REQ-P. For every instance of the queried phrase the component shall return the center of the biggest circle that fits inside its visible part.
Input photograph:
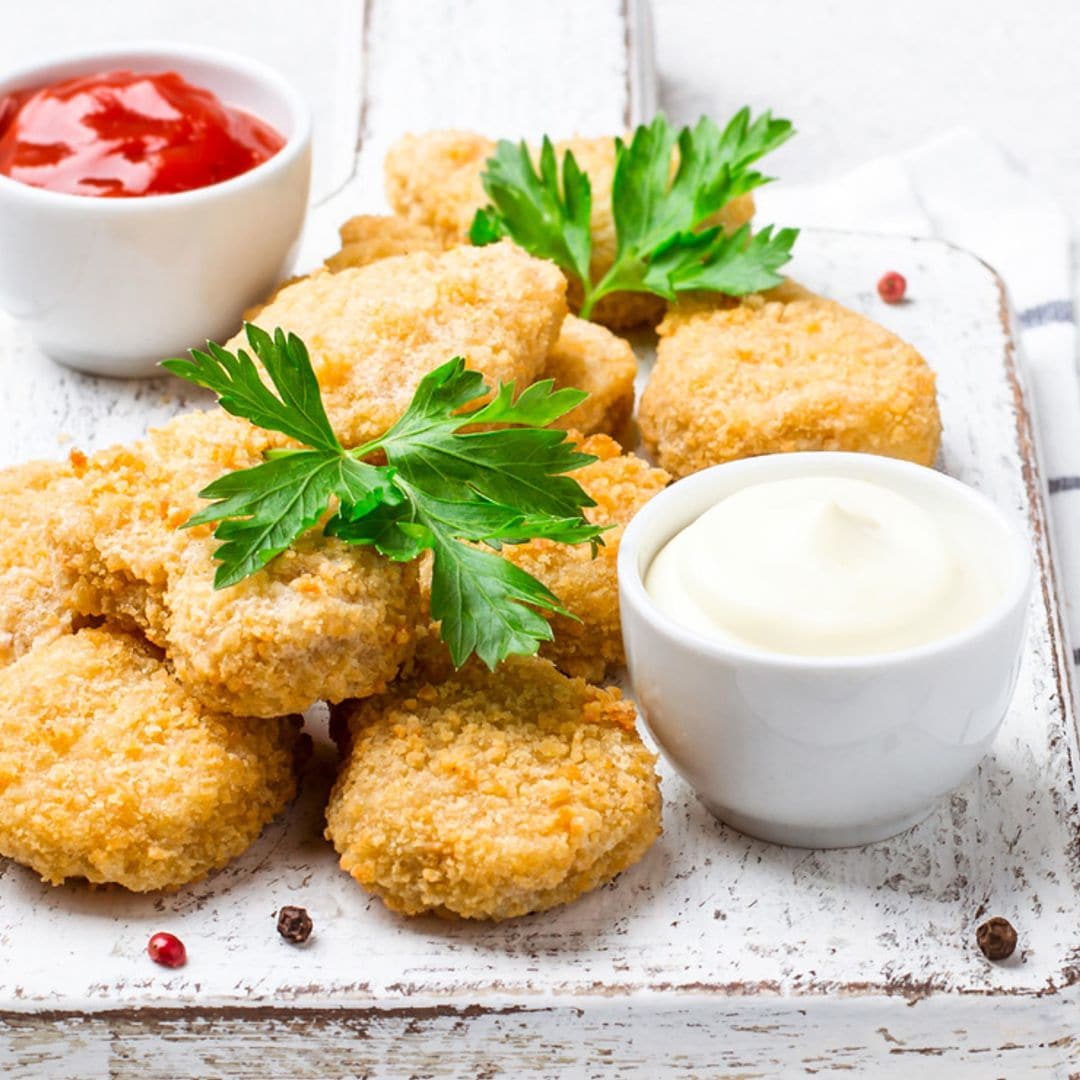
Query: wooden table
(716, 955)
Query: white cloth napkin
(964, 188)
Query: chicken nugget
(779, 371)
(373, 332)
(109, 771)
(591, 358)
(585, 355)
(371, 237)
(34, 605)
(588, 587)
(322, 620)
(434, 179)
(492, 794)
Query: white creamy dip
(826, 566)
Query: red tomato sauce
(122, 134)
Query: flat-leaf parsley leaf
(454, 475)
(663, 243)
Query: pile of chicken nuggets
(150, 725)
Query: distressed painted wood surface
(715, 956)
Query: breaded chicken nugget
(323, 620)
(34, 605)
(371, 237)
(783, 370)
(434, 179)
(491, 795)
(593, 359)
(109, 771)
(585, 355)
(375, 331)
(620, 484)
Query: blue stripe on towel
(1053, 311)
(1063, 483)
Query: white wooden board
(715, 949)
(717, 955)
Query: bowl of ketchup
(148, 195)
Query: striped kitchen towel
(964, 188)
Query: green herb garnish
(661, 247)
(445, 486)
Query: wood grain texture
(715, 956)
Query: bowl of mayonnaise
(823, 644)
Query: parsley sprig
(661, 247)
(459, 477)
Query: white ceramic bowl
(810, 751)
(113, 286)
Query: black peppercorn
(997, 938)
(294, 924)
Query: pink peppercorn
(167, 950)
(892, 287)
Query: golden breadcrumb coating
(591, 358)
(322, 620)
(620, 484)
(585, 355)
(783, 370)
(492, 795)
(109, 771)
(34, 605)
(370, 237)
(373, 332)
(434, 179)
